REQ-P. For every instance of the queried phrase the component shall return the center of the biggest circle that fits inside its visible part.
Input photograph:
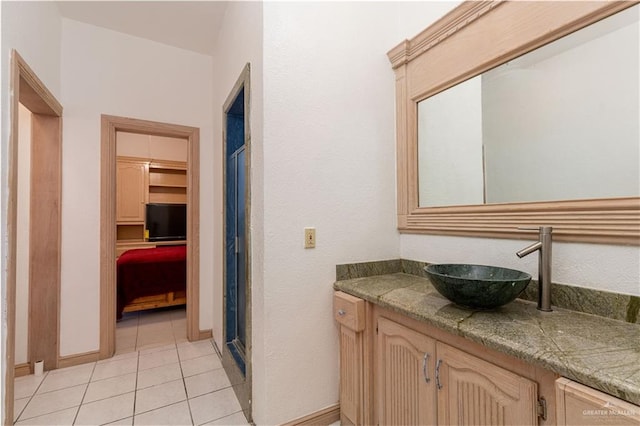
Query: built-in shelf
(130, 232)
(146, 181)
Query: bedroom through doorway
(151, 225)
(149, 258)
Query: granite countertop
(599, 352)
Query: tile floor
(148, 329)
(152, 380)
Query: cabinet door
(405, 391)
(475, 392)
(131, 191)
(349, 313)
(580, 405)
(351, 404)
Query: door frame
(242, 384)
(46, 137)
(109, 126)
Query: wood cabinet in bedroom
(132, 179)
(140, 181)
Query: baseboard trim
(23, 369)
(205, 334)
(326, 416)
(77, 359)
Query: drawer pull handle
(425, 360)
(341, 312)
(438, 385)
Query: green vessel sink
(477, 286)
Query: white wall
(603, 267)
(106, 72)
(20, 22)
(329, 157)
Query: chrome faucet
(543, 245)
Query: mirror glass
(558, 123)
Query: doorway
(44, 219)
(110, 126)
(236, 351)
(151, 204)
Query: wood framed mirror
(474, 38)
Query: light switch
(309, 238)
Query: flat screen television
(166, 222)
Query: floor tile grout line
(203, 372)
(30, 397)
(158, 408)
(135, 389)
(35, 393)
(84, 394)
(45, 393)
(184, 383)
(223, 417)
(47, 414)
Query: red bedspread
(149, 272)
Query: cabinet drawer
(348, 311)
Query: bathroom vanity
(410, 356)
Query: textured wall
(329, 164)
(106, 72)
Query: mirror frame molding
(454, 49)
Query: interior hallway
(156, 377)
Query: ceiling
(190, 25)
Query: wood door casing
(405, 391)
(44, 256)
(46, 138)
(476, 392)
(110, 125)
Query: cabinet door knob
(341, 312)
(425, 361)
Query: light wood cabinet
(349, 313)
(581, 405)
(420, 381)
(475, 392)
(140, 181)
(406, 393)
(395, 370)
(131, 190)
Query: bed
(151, 278)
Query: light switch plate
(309, 238)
